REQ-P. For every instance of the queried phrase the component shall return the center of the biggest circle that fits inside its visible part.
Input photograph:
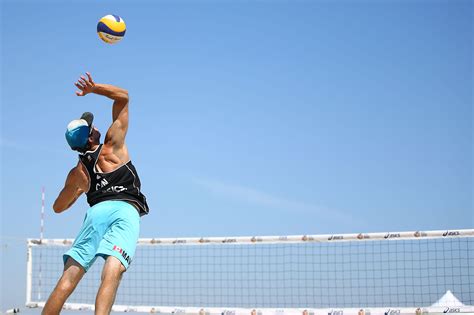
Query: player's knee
(66, 285)
(112, 275)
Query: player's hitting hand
(85, 85)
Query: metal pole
(29, 273)
(41, 241)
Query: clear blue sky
(247, 117)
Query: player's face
(95, 135)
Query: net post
(29, 272)
(41, 240)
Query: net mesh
(349, 274)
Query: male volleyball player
(109, 179)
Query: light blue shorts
(110, 228)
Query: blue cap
(78, 131)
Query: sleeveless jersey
(120, 184)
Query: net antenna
(389, 273)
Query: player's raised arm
(118, 130)
(73, 188)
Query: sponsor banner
(362, 236)
(229, 240)
(155, 241)
(270, 311)
(256, 239)
(180, 241)
(390, 236)
(420, 234)
(336, 238)
(452, 310)
(451, 233)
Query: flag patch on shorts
(123, 253)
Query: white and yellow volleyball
(111, 28)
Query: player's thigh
(73, 273)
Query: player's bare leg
(73, 273)
(110, 280)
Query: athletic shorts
(110, 228)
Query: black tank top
(120, 184)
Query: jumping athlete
(109, 179)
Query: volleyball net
(368, 273)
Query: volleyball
(111, 28)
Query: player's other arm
(118, 130)
(73, 188)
